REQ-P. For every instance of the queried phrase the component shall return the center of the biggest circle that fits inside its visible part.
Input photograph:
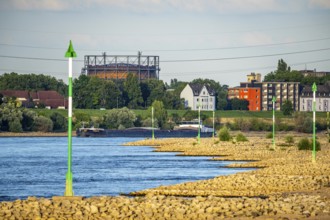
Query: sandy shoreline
(288, 186)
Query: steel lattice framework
(117, 67)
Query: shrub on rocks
(289, 139)
(240, 137)
(224, 134)
(269, 135)
(305, 144)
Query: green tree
(93, 93)
(81, 92)
(10, 116)
(160, 113)
(133, 91)
(15, 125)
(31, 82)
(116, 118)
(152, 89)
(59, 122)
(284, 73)
(239, 104)
(43, 124)
(28, 119)
(1, 98)
(287, 107)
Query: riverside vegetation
(286, 185)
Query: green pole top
(70, 52)
(274, 99)
(314, 87)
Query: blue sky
(234, 34)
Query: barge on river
(185, 129)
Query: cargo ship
(185, 129)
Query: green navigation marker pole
(213, 125)
(274, 100)
(70, 53)
(199, 124)
(152, 123)
(314, 89)
(328, 123)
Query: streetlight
(70, 53)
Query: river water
(36, 166)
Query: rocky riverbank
(287, 185)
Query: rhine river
(36, 166)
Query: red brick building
(250, 94)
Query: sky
(223, 40)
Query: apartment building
(282, 91)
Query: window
(203, 92)
(197, 99)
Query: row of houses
(50, 99)
(260, 95)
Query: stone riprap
(288, 185)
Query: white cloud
(54, 5)
(320, 3)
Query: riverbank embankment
(287, 185)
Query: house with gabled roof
(322, 98)
(196, 95)
(51, 99)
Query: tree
(152, 89)
(160, 112)
(133, 91)
(284, 73)
(93, 92)
(1, 98)
(10, 116)
(31, 82)
(59, 122)
(43, 124)
(287, 107)
(28, 118)
(116, 118)
(239, 104)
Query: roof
(15, 93)
(49, 98)
(197, 88)
(42, 95)
(321, 89)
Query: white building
(197, 94)
(322, 98)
